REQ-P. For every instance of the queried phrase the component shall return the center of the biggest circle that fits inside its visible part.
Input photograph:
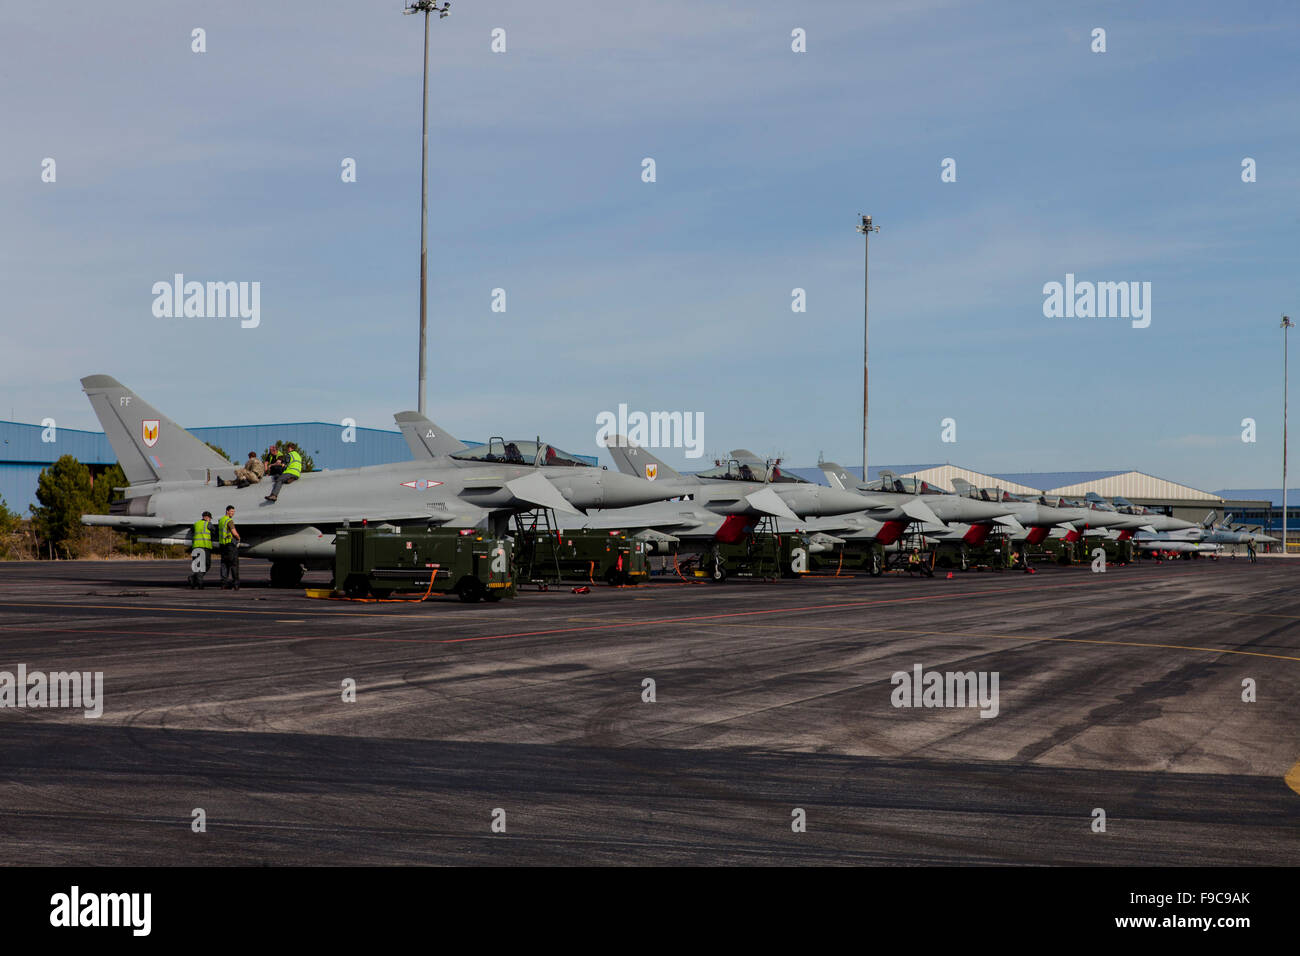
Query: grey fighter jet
(659, 524)
(173, 477)
(744, 488)
(1207, 532)
(1154, 520)
(1037, 517)
(969, 521)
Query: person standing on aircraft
(203, 541)
(290, 474)
(228, 539)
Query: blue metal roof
(1273, 495)
(815, 474)
(21, 443)
(1047, 480)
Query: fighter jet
(659, 525)
(173, 477)
(745, 488)
(1154, 520)
(1179, 547)
(1036, 517)
(1207, 532)
(955, 518)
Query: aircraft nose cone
(1049, 515)
(835, 501)
(1176, 524)
(967, 509)
(616, 490)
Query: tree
(14, 542)
(218, 449)
(103, 490)
(65, 494)
(284, 447)
(8, 519)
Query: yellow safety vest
(202, 534)
(223, 529)
(295, 465)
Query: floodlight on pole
(1286, 325)
(865, 228)
(426, 7)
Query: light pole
(426, 7)
(1286, 325)
(866, 229)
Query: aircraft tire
(470, 590)
(286, 574)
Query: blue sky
(672, 295)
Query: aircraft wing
(1011, 522)
(769, 502)
(535, 488)
(918, 510)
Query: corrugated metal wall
(1135, 484)
(943, 475)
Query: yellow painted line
(1292, 777)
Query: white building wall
(944, 474)
(1135, 484)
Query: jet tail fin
(962, 487)
(837, 476)
(149, 445)
(425, 439)
(632, 459)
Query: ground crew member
(1250, 550)
(251, 473)
(914, 560)
(203, 541)
(291, 472)
(228, 539)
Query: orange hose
(423, 597)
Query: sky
(676, 294)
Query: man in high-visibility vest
(292, 469)
(200, 563)
(228, 539)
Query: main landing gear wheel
(286, 574)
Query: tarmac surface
(1119, 691)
